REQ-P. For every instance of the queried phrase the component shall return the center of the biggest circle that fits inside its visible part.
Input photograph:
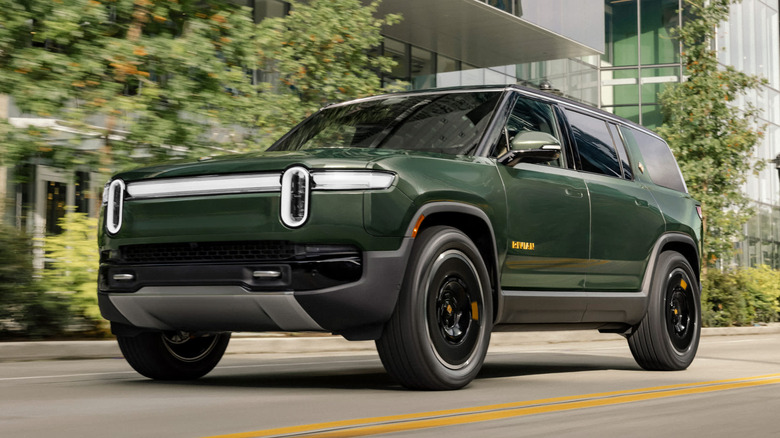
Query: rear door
(625, 218)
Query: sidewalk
(317, 344)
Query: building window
(620, 28)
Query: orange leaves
(218, 18)
(139, 51)
(127, 69)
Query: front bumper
(227, 297)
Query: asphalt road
(577, 389)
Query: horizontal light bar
(352, 180)
(204, 185)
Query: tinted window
(594, 143)
(528, 116)
(446, 123)
(659, 163)
(621, 148)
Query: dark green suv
(421, 220)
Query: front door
(548, 221)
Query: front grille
(208, 252)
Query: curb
(317, 344)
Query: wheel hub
(453, 313)
(679, 314)
(680, 311)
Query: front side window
(528, 119)
(594, 143)
(443, 123)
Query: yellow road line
(424, 420)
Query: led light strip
(256, 183)
(352, 180)
(205, 185)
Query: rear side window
(594, 143)
(659, 162)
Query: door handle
(574, 193)
(641, 202)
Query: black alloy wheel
(439, 333)
(667, 338)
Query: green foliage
(152, 79)
(320, 53)
(126, 73)
(741, 297)
(26, 310)
(712, 138)
(71, 271)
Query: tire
(438, 335)
(668, 336)
(173, 356)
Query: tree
(151, 79)
(322, 52)
(712, 137)
(141, 77)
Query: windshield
(445, 123)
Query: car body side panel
(626, 222)
(548, 226)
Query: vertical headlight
(114, 199)
(296, 188)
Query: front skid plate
(213, 308)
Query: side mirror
(531, 147)
(533, 140)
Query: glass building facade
(749, 42)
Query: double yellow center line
(424, 420)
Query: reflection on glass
(397, 51)
(422, 69)
(442, 123)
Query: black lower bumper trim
(254, 277)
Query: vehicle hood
(326, 158)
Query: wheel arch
(475, 224)
(686, 246)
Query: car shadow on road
(369, 375)
(528, 364)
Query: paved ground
(283, 343)
(532, 385)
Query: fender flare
(471, 210)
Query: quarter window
(594, 143)
(659, 162)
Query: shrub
(741, 297)
(26, 309)
(72, 262)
